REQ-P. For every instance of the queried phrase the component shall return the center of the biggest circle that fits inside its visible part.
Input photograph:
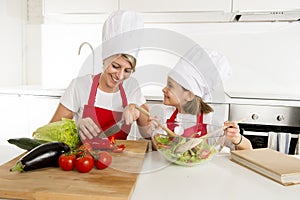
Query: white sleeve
(68, 100)
(133, 92)
(77, 93)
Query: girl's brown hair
(196, 106)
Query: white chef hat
(118, 34)
(201, 71)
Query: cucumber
(25, 143)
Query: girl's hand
(232, 132)
(87, 128)
(130, 114)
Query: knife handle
(145, 112)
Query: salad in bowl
(189, 150)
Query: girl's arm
(233, 134)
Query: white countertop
(219, 178)
(35, 90)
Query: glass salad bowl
(188, 149)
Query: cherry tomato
(84, 163)
(103, 161)
(67, 161)
(204, 153)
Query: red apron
(105, 118)
(198, 128)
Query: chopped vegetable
(167, 145)
(60, 131)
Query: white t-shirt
(77, 94)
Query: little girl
(187, 90)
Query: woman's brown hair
(131, 60)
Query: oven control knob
(254, 116)
(280, 118)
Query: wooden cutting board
(113, 183)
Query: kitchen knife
(112, 130)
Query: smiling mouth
(115, 80)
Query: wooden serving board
(113, 183)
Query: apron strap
(123, 96)
(93, 92)
(173, 116)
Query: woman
(187, 89)
(100, 101)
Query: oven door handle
(256, 133)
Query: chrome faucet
(92, 53)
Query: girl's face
(117, 70)
(174, 95)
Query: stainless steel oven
(276, 127)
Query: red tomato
(204, 153)
(67, 161)
(85, 163)
(104, 160)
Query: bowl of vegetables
(186, 145)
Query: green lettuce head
(60, 131)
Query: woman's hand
(130, 114)
(87, 128)
(232, 132)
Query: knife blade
(112, 130)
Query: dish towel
(272, 140)
(284, 140)
(297, 149)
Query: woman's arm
(143, 123)
(131, 114)
(61, 112)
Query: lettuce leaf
(60, 131)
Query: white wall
(12, 24)
(264, 56)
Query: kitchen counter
(218, 179)
(33, 90)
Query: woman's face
(117, 70)
(174, 95)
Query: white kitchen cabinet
(175, 11)
(22, 114)
(93, 11)
(266, 10)
(265, 5)
(78, 11)
(40, 110)
(79, 6)
(13, 117)
(176, 5)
